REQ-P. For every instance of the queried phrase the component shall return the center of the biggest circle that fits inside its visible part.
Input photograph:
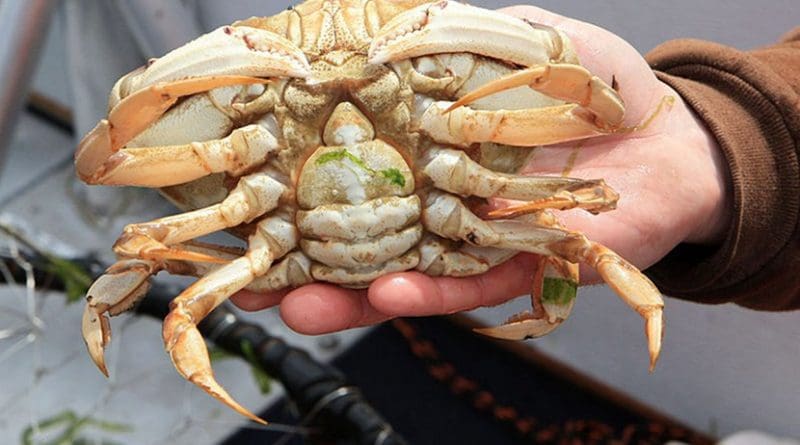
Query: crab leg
(274, 237)
(293, 270)
(522, 128)
(555, 286)
(454, 171)
(135, 113)
(446, 216)
(552, 69)
(145, 247)
(598, 110)
(568, 82)
(244, 149)
(439, 257)
(553, 292)
(226, 57)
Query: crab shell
(341, 138)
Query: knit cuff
(743, 105)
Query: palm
(665, 173)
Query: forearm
(750, 103)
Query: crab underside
(342, 139)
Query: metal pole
(23, 28)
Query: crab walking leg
(440, 257)
(145, 247)
(253, 196)
(244, 149)
(568, 82)
(448, 217)
(553, 292)
(522, 128)
(273, 238)
(123, 285)
(454, 171)
(293, 270)
(138, 111)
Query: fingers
(253, 301)
(322, 308)
(315, 308)
(416, 294)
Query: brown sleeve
(751, 102)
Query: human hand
(669, 174)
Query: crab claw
(135, 113)
(188, 353)
(555, 286)
(228, 56)
(116, 291)
(453, 27)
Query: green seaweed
(262, 379)
(393, 175)
(76, 279)
(72, 425)
(559, 291)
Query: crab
(349, 139)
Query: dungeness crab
(345, 140)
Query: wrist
(713, 225)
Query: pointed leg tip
(188, 353)
(96, 335)
(227, 400)
(208, 383)
(96, 353)
(654, 330)
(255, 418)
(100, 362)
(102, 367)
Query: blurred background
(723, 369)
